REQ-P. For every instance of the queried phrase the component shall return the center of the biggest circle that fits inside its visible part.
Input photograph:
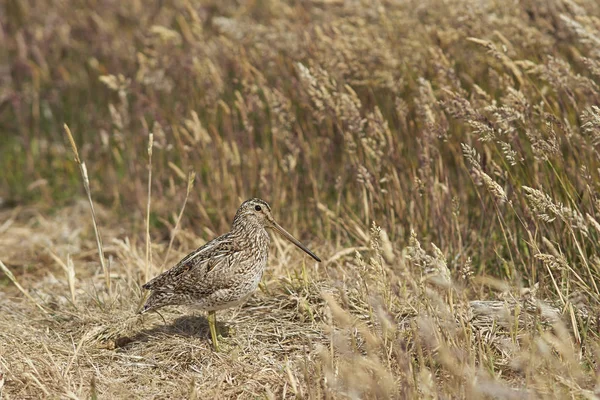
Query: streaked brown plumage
(223, 272)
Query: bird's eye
(257, 208)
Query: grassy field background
(440, 156)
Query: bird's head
(257, 211)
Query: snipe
(223, 272)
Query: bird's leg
(212, 323)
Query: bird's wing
(198, 263)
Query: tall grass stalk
(147, 271)
(86, 185)
(190, 184)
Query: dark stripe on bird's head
(259, 202)
(249, 204)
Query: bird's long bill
(292, 239)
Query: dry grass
(441, 156)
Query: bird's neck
(251, 234)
